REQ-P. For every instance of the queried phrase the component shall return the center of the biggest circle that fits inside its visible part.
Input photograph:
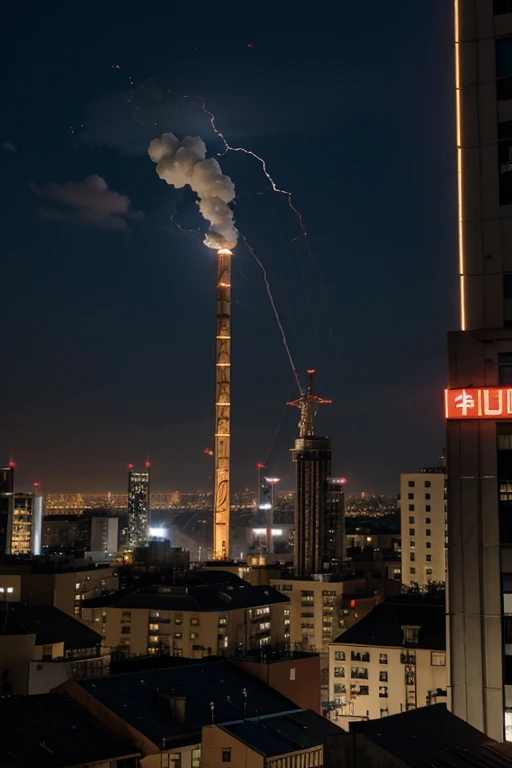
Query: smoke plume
(184, 162)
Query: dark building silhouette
(319, 518)
(6, 507)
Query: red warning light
(130, 466)
(148, 464)
(311, 371)
(260, 465)
(12, 464)
(208, 451)
(352, 603)
(36, 485)
(343, 480)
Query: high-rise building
(6, 506)
(479, 396)
(318, 522)
(423, 526)
(138, 505)
(26, 528)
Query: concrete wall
(297, 679)
(214, 739)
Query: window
(502, 6)
(178, 621)
(427, 519)
(411, 520)
(504, 68)
(412, 571)
(428, 571)
(412, 543)
(428, 532)
(428, 545)
(153, 638)
(411, 483)
(361, 690)
(153, 627)
(437, 659)
(505, 366)
(194, 635)
(292, 674)
(77, 585)
(411, 507)
(411, 532)
(429, 558)
(126, 630)
(178, 635)
(427, 508)
(383, 677)
(226, 755)
(194, 622)
(411, 635)
(339, 671)
(287, 588)
(340, 688)
(10, 590)
(428, 484)
(196, 757)
(383, 658)
(339, 655)
(427, 496)
(360, 673)
(410, 495)
(505, 441)
(412, 556)
(383, 691)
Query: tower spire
(306, 404)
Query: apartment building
(391, 661)
(321, 609)
(423, 526)
(64, 586)
(41, 647)
(191, 620)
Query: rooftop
(142, 698)
(280, 734)
(48, 624)
(14, 565)
(383, 625)
(50, 730)
(432, 736)
(223, 596)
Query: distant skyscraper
(138, 505)
(423, 526)
(318, 504)
(264, 489)
(6, 506)
(25, 536)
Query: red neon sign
(478, 403)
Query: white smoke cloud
(182, 163)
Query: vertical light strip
(459, 167)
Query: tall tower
(139, 511)
(6, 507)
(478, 399)
(221, 504)
(313, 550)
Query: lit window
(339, 671)
(383, 691)
(438, 659)
(194, 635)
(2, 589)
(339, 655)
(194, 622)
(292, 674)
(10, 589)
(383, 658)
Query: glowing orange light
(479, 403)
(352, 603)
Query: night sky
(108, 309)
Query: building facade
(479, 416)
(423, 527)
(6, 506)
(139, 512)
(392, 661)
(26, 524)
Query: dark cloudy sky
(108, 310)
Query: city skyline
(104, 286)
